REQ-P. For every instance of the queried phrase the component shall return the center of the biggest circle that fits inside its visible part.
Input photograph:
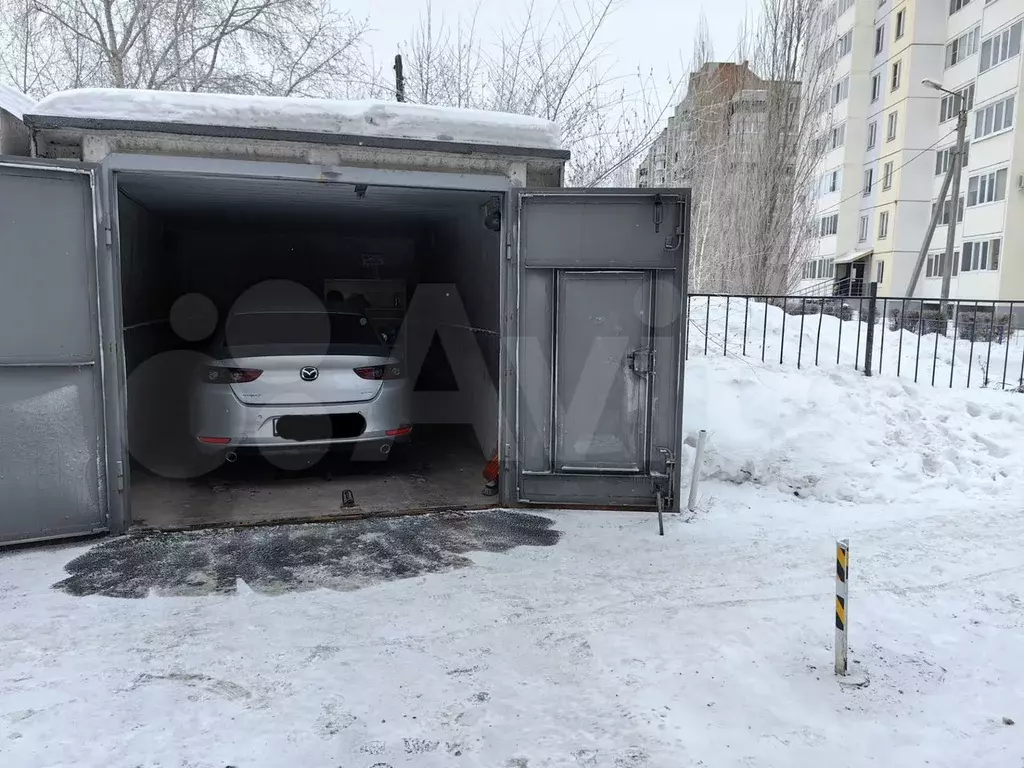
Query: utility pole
(928, 233)
(954, 204)
(952, 179)
(399, 79)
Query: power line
(874, 181)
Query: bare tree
(283, 47)
(752, 151)
(546, 66)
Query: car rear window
(273, 328)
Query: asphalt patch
(288, 558)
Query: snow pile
(836, 435)
(14, 101)
(328, 116)
(754, 330)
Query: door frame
(511, 493)
(116, 395)
(106, 353)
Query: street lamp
(956, 166)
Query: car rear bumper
(223, 423)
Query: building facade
(717, 98)
(732, 141)
(889, 141)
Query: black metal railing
(966, 343)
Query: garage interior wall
(472, 260)
(147, 283)
(223, 261)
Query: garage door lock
(641, 361)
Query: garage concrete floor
(439, 470)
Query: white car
(299, 380)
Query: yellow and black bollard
(842, 623)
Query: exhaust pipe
(385, 448)
(231, 457)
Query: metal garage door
(51, 408)
(599, 284)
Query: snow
(14, 101)
(328, 116)
(610, 647)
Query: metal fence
(966, 344)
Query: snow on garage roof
(14, 101)
(324, 116)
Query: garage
(470, 312)
(196, 251)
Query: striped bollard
(842, 580)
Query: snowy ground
(570, 638)
(758, 333)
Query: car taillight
(216, 374)
(380, 372)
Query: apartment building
(890, 137)
(722, 97)
(732, 141)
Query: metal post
(399, 79)
(954, 201)
(869, 340)
(926, 243)
(842, 602)
(698, 461)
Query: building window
(883, 225)
(890, 130)
(829, 225)
(872, 134)
(887, 176)
(986, 188)
(876, 87)
(879, 271)
(879, 39)
(901, 23)
(944, 157)
(981, 255)
(944, 216)
(838, 137)
(947, 107)
(840, 91)
(868, 178)
(1002, 46)
(994, 118)
(956, 5)
(964, 46)
(936, 265)
(832, 181)
(844, 45)
(844, 6)
(817, 269)
(897, 75)
(862, 234)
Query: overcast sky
(649, 33)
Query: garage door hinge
(120, 476)
(108, 232)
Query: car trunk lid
(305, 379)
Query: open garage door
(600, 289)
(51, 410)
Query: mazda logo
(309, 373)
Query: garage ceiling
(239, 199)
